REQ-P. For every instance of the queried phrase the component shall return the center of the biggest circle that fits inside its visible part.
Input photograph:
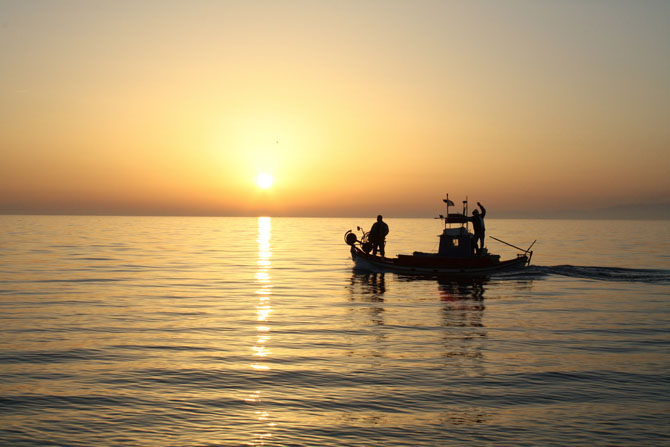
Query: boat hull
(435, 265)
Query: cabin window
(454, 242)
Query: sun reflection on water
(260, 348)
(264, 291)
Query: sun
(264, 180)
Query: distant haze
(622, 212)
(535, 108)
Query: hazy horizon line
(657, 211)
(371, 216)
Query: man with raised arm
(477, 220)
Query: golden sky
(354, 107)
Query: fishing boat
(456, 254)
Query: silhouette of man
(477, 220)
(377, 236)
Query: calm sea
(157, 331)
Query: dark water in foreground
(235, 331)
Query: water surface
(152, 331)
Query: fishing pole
(514, 246)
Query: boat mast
(465, 212)
(447, 202)
(446, 216)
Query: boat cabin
(455, 243)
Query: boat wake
(649, 276)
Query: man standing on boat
(477, 220)
(377, 236)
